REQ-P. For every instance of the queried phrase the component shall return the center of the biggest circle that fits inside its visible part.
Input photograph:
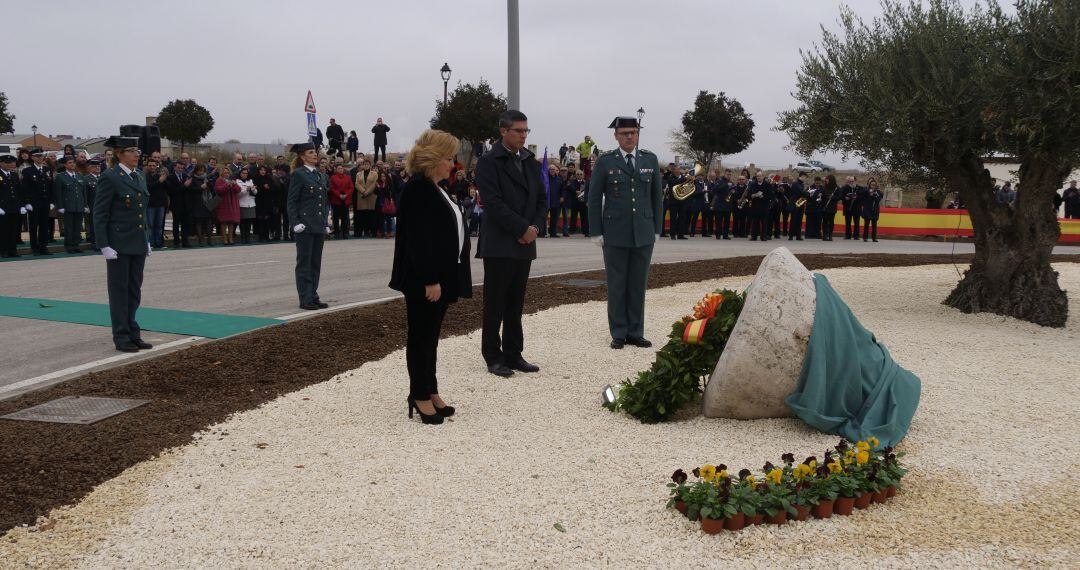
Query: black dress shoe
(638, 341)
(500, 369)
(321, 304)
(142, 345)
(618, 343)
(445, 411)
(127, 347)
(522, 366)
(309, 307)
(683, 237)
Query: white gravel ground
(347, 481)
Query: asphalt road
(258, 281)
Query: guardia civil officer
(69, 195)
(307, 206)
(123, 236)
(626, 198)
(37, 191)
(11, 206)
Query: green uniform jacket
(615, 210)
(120, 212)
(307, 203)
(69, 192)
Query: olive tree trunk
(1011, 274)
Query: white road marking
(219, 266)
(46, 378)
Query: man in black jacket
(515, 205)
(177, 185)
(37, 191)
(849, 195)
(12, 206)
(379, 130)
(335, 134)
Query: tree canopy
(715, 127)
(932, 88)
(7, 120)
(184, 121)
(471, 112)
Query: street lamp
(640, 115)
(445, 72)
(34, 128)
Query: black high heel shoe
(434, 419)
(445, 411)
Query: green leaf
(559, 527)
(45, 305)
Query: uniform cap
(7, 158)
(122, 142)
(299, 148)
(95, 162)
(624, 123)
(35, 151)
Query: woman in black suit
(431, 265)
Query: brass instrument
(744, 199)
(686, 189)
(800, 202)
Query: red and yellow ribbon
(694, 331)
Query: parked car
(824, 167)
(807, 167)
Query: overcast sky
(96, 65)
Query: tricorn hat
(299, 148)
(122, 142)
(624, 123)
(7, 158)
(35, 150)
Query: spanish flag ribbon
(694, 331)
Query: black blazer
(513, 200)
(426, 244)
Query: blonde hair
(431, 147)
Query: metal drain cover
(83, 410)
(584, 282)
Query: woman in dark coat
(201, 217)
(829, 198)
(431, 265)
(871, 207)
(264, 202)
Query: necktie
(630, 161)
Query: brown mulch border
(46, 465)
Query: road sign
(309, 106)
(312, 126)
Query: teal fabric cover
(850, 386)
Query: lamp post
(34, 128)
(445, 72)
(640, 115)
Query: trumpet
(800, 202)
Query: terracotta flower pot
(863, 500)
(844, 505)
(822, 510)
(756, 519)
(778, 519)
(802, 512)
(735, 522)
(879, 496)
(890, 491)
(680, 506)
(712, 526)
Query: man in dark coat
(336, 136)
(849, 196)
(515, 205)
(12, 206)
(37, 191)
(177, 184)
(379, 130)
(723, 199)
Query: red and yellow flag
(694, 331)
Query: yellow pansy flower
(835, 467)
(750, 480)
(722, 474)
(813, 465)
(862, 457)
(708, 472)
(802, 471)
(774, 476)
(873, 441)
(863, 446)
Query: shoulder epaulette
(609, 153)
(643, 151)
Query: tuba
(686, 189)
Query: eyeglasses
(627, 133)
(521, 131)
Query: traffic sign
(312, 126)
(309, 106)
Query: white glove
(299, 228)
(599, 241)
(29, 208)
(51, 206)
(61, 210)
(148, 249)
(109, 253)
(22, 211)
(327, 229)
(2, 212)
(86, 210)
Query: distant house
(18, 141)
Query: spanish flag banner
(694, 331)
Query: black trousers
(340, 213)
(851, 226)
(181, 227)
(738, 221)
(785, 222)
(10, 227)
(424, 320)
(774, 221)
(758, 226)
(794, 227)
(692, 217)
(379, 147)
(124, 279)
(309, 249)
(708, 222)
(813, 225)
(40, 227)
(72, 229)
(723, 224)
(828, 224)
(679, 221)
(867, 224)
(505, 280)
